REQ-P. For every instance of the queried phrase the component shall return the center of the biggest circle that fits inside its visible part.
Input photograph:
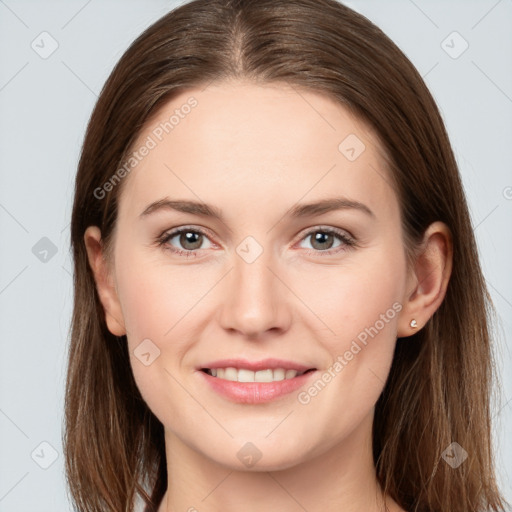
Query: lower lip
(255, 392)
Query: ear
(428, 280)
(105, 283)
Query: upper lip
(256, 365)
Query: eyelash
(348, 241)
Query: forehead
(255, 145)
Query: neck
(341, 478)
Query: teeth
(243, 375)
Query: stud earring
(413, 324)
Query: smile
(244, 375)
(227, 384)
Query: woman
(278, 299)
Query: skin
(254, 151)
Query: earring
(413, 324)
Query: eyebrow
(297, 211)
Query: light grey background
(45, 104)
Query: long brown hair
(439, 387)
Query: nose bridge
(255, 300)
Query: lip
(264, 364)
(255, 392)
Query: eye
(323, 240)
(190, 239)
(186, 241)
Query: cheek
(360, 304)
(144, 302)
(353, 296)
(155, 295)
(162, 303)
(158, 307)
(361, 309)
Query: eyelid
(171, 233)
(326, 229)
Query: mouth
(258, 385)
(265, 375)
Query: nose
(256, 300)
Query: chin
(259, 455)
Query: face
(316, 288)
